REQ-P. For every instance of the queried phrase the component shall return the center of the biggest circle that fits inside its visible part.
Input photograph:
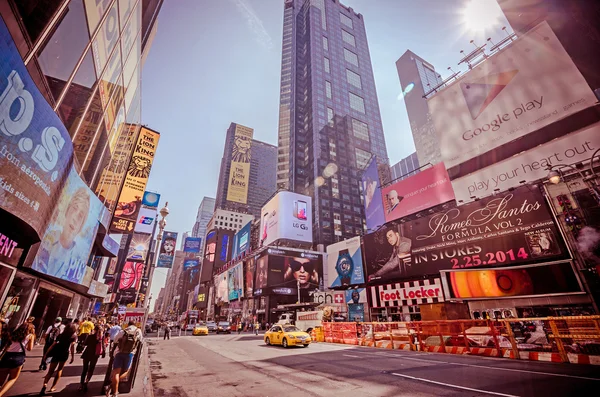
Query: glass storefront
(6, 273)
(50, 302)
(18, 298)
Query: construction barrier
(554, 339)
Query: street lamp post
(164, 211)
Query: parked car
(224, 327)
(212, 326)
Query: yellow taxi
(286, 335)
(200, 329)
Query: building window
(362, 158)
(330, 116)
(327, 70)
(356, 103)
(328, 89)
(348, 38)
(353, 78)
(325, 43)
(346, 20)
(360, 130)
(351, 57)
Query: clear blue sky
(214, 62)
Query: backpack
(54, 332)
(128, 341)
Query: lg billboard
(287, 216)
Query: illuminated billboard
(345, 263)
(236, 282)
(241, 241)
(239, 173)
(287, 216)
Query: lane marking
(451, 385)
(488, 367)
(350, 355)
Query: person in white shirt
(125, 345)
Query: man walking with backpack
(51, 334)
(125, 345)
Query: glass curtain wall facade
(85, 57)
(326, 72)
(405, 168)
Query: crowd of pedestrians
(90, 338)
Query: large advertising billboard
(529, 166)
(239, 173)
(221, 288)
(235, 282)
(503, 230)
(527, 85)
(192, 244)
(241, 241)
(286, 216)
(139, 247)
(372, 198)
(130, 199)
(428, 188)
(131, 276)
(556, 278)
(202, 298)
(68, 239)
(35, 147)
(345, 264)
(249, 267)
(282, 271)
(210, 247)
(167, 249)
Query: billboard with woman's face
(67, 242)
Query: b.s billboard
(239, 172)
(68, 239)
(503, 230)
(428, 188)
(529, 84)
(372, 198)
(287, 216)
(345, 263)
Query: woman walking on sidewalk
(94, 348)
(59, 351)
(13, 354)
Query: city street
(242, 365)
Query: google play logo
(480, 93)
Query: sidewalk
(31, 380)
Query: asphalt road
(242, 365)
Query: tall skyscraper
(205, 213)
(247, 177)
(326, 72)
(418, 77)
(406, 167)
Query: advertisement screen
(190, 263)
(36, 148)
(249, 268)
(527, 85)
(209, 256)
(287, 216)
(278, 268)
(167, 249)
(356, 312)
(221, 288)
(241, 241)
(345, 264)
(529, 166)
(139, 247)
(515, 281)
(239, 173)
(428, 188)
(503, 230)
(372, 196)
(68, 240)
(236, 282)
(130, 199)
(358, 295)
(202, 300)
(131, 276)
(192, 244)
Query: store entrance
(48, 305)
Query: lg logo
(300, 226)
